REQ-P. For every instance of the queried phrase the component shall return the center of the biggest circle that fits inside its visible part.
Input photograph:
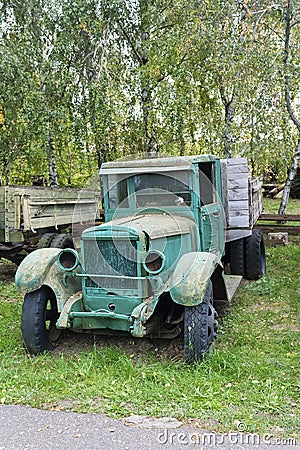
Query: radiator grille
(106, 257)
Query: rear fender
(40, 268)
(191, 277)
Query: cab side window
(207, 181)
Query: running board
(232, 283)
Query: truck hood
(158, 225)
(154, 225)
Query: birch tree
(292, 20)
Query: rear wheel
(255, 256)
(237, 258)
(200, 328)
(39, 317)
(46, 240)
(63, 241)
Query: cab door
(210, 207)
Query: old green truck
(177, 239)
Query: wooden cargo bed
(242, 197)
(32, 209)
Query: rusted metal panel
(191, 277)
(232, 282)
(159, 225)
(40, 268)
(34, 268)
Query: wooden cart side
(32, 208)
(64, 207)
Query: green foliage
(100, 79)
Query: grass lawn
(252, 378)
(271, 206)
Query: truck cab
(187, 187)
(155, 267)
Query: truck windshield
(150, 189)
(155, 189)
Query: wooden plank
(17, 224)
(238, 204)
(238, 213)
(255, 184)
(46, 222)
(225, 191)
(280, 217)
(238, 169)
(291, 229)
(238, 176)
(240, 194)
(239, 222)
(237, 183)
(60, 212)
(237, 161)
(26, 213)
(55, 207)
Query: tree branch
(138, 57)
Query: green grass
(271, 206)
(253, 376)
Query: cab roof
(154, 164)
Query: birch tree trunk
(53, 182)
(228, 119)
(296, 157)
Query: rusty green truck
(177, 239)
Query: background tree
(290, 63)
(95, 80)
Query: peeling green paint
(40, 268)
(191, 277)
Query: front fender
(191, 277)
(40, 268)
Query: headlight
(154, 261)
(68, 260)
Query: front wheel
(200, 328)
(39, 317)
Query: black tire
(237, 258)
(39, 317)
(255, 260)
(200, 328)
(63, 241)
(46, 240)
